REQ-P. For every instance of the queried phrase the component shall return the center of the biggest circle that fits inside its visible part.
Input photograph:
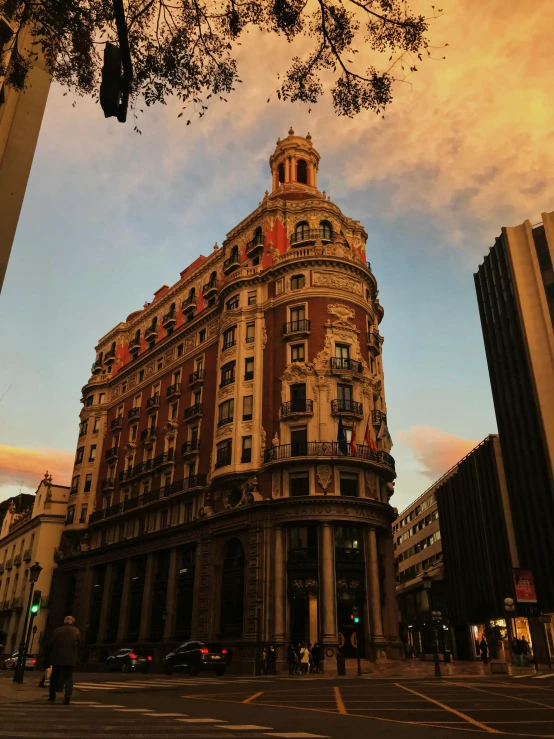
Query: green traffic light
(34, 609)
(356, 620)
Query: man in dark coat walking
(64, 651)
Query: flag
(367, 438)
(341, 438)
(353, 446)
(383, 431)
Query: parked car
(195, 657)
(10, 663)
(129, 660)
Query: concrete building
(515, 292)
(30, 536)
(241, 476)
(20, 121)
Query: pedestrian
(291, 658)
(298, 664)
(304, 659)
(316, 656)
(64, 651)
(484, 648)
(264, 660)
(271, 661)
(525, 648)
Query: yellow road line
(511, 697)
(341, 708)
(253, 697)
(452, 710)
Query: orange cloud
(435, 450)
(19, 465)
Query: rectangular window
(249, 368)
(298, 397)
(247, 407)
(202, 336)
(89, 400)
(297, 318)
(194, 435)
(297, 353)
(174, 410)
(80, 453)
(83, 427)
(226, 412)
(342, 351)
(252, 298)
(246, 449)
(227, 374)
(180, 350)
(88, 483)
(349, 484)
(163, 519)
(344, 393)
(229, 337)
(188, 512)
(250, 333)
(299, 484)
(197, 397)
(297, 282)
(141, 376)
(134, 429)
(160, 364)
(92, 455)
(141, 526)
(96, 426)
(83, 516)
(224, 453)
(75, 483)
(124, 387)
(233, 302)
(299, 442)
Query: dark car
(195, 657)
(129, 660)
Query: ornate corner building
(233, 458)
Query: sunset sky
(111, 216)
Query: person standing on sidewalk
(64, 651)
(316, 656)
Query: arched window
(112, 349)
(137, 335)
(302, 172)
(234, 251)
(325, 230)
(258, 236)
(172, 308)
(232, 589)
(154, 321)
(281, 173)
(100, 356)
(302, 231)
(192, 294)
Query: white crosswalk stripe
(154, 683)
(546, 675)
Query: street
(307, 707)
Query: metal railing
(134, 413)
(27, 555)
(108, 483)
(326, 449)
(174, 389)
(293, 326)
(347, 406)
(257, 241)
(227, 380)
(234, 259)
(111, 453)
(134, 344)
(311, 234)
(291, 407)
(151, 331)
(148, 466)
(209, 287)
(169, 317)
(193, 410)
(197, 376)
(150, 433)
(117, 423)
(345, 363)
(96, 365)
(225, 421)
(17, 560)
(189, 302)
(228, 345)
(109, 356)
(377, 417)
(190, 447)
(153, 402)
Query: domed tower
(294, 163)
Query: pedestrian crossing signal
(355, 615)
(35, 605)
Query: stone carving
(247, 426)
(297, 371)
(209, 475)
(324, 473)
(342, 312)
(264, 336)
(338, 281)
(189, 342)
(213, 328)
(149, 369)
(371, 485)
(262, 446)
(224, 391)
(132, 380)
(279, 287)
(169, 355)
(275, 440)
(276, 484)
(224, 431)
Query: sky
(110, 216)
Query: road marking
(546, 675)
(87, 703)
(200, 720)
(243, 727)
(167, 715)
(341, 708)
(107, 705)
(512, 697)
(452, 710)
(519, 677)
(298, 735)
(253, 697)
(134, 710)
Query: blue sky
(111, 216)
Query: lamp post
(436, 617)
(34, 573)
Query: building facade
(240, 483)
(515, 292)
(21, 115)
(32, 535)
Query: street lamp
(436, 616)
(34, 573)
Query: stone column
(146, 610)
(279, 581)
(327, 587)
(171, 597)
(125, 602)
(374, 589)
(106, 602)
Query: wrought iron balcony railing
(174, 390)
(232, 262)
(190, 447)
(305, 235)
(326, 449)
(294, 327)
(296, 407)
(345, 364)
(195, 378)
(347, 406)
(193, 411)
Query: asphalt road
(302, 707)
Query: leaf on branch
(180, 114)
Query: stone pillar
(374, 589)
(327, 590)
(312, 610)
(279, 582)
(106, 602)
(171, 597)
(287, 169)
(146, 609)
(125, 602)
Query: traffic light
(355, 617)
(112, 81)
(35, 605)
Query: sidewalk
(27, 692)
(412, 668)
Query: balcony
(377, 417)
(295, 408)
(134, 346)
(27, 555)
(326, 449)
(109, 357)
(112, 453)
(232, 263)
(227, 381)
(134, 414)
(96, 516)
(153, 403)
(189, 304)
(307, 236)
(228, 345)
(9, 564)
(108, 484)
(249, 375)
(225, 421)
(190, 448)
(170, 319)
(151, 333)
(193, 411)
(17, 560)
(256, 245)
(340, 365)
(210, 288)
(96, 367)
(148, 436)
(374, 342)
(173, 391)
(296, 328)
(196, 378)
(223, 459)
(117, 423)
(348, 407)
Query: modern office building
(515, 292)
(29, 536)
(21, 115)
(240, 483)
